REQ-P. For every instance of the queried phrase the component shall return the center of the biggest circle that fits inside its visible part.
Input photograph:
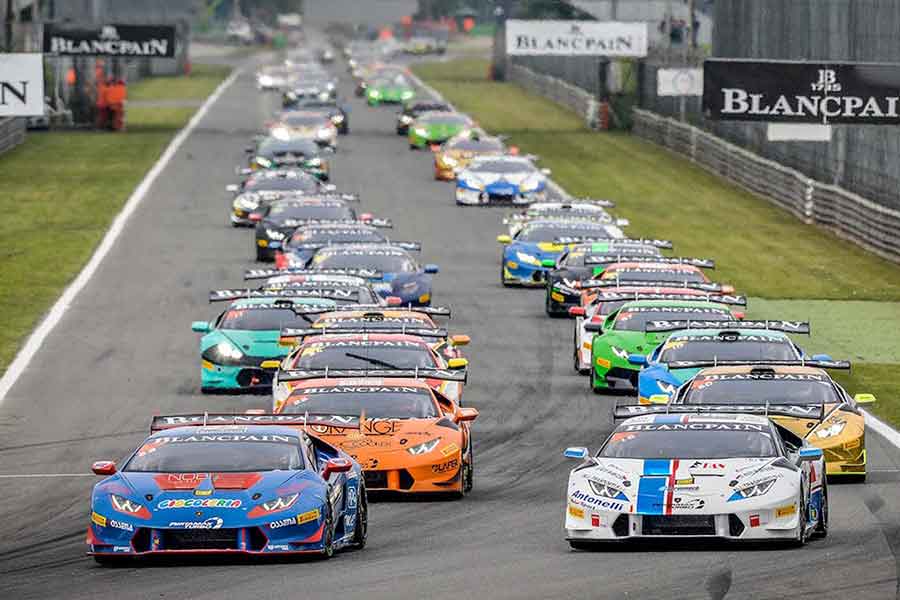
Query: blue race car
(545, 240)
(300, 247)
(507, 178)
(728, 342)
(401, 275)
(229, 484)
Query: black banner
(801, 92)
(142, 41)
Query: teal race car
(623, 334)
(389, 90)
(436, 128)
(246, 334)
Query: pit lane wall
(866, 223)
(12, 133)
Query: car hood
(254, 343)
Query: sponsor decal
(351, 497)
(596, 521)
(595, 502)
(121, 525)
(98, 519)
(679, 502)
(697, 427)
(199, 503)
(287, 439)
(450, 449)
(698, 465)
(121, 548)
(785, 511)
(576, 512)
(754, 520)
(278, 547)
(312, 515)
(283, 523)
(450, 465)
(110, 40)
(203, 492)
(211, 523)
(22, 85)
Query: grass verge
(792, 270)
(61, 190)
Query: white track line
(36, 339)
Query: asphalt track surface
(124, 351)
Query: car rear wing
(289, 335)
(800, 327)
(843, 365)
(376, 309)
(578, 239)
(717, 298)
(163, 422)
(606, 259)
(302, 375)
(805, 411)
(412, 246)
(373, 222)
(616, 282)
(251, 274)
(326, 292)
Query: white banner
(21, 85)
(575, 38)
(679, 82)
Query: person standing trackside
(116, 94)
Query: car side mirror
(579, 452)
(336, 465)
(459, 340)
(393, 300)
(466, 413)
(201, 326)
(549, 263)
(430, 268)
(637, 359)
(864, 398)
(576, 311)
(457, 363)
(104, 467)
(504, 239)
(594, 327)
(822, 357)
(232, 187)
(810, 453)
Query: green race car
(622, 333)
(393, 90)
(244, 336)
(436, 128)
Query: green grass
(791, 270)
(61, 190)
(201, 83)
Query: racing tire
(594, 387)
(503, 279)
(802, 536)
(575, 362)
(361, 531)
(413, 147)
(263, 255)
(328, 535)
(821, 529)
(469, 474)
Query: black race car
(411, 111)
(276, 221)
(293, 152)
(337, 112)
(263, 186)
(307, 239)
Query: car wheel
(802, 536)
(822, 525)
(262, 255)
(361, 531)
(576, 362)
(413, 147)
(594, 382)
(328, 535)
(503, 279)
(470, 470)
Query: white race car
(508, 178)
(697, 471)
(594, 210)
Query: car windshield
(573, 259)
(502, 166)
(261, 319)
(725, 347)
(397, 403)
(354, 354)
(667, 275)
(298, 146)
(635, 320)
(322, 212)
(444, 119)
(760, 387)
(384, 262)
(548, 233)
(220, 451)
(696, 440)
(264, 184)
(303, 120)
(309, 235)
(477, 145)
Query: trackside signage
(21, 85)
(801, 92)
(156, 41)
(575, 38)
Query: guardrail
(850, 216)
(556, 90)
(12, 133)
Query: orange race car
(406, 437)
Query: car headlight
(314, 162)
(374, 93)
(528, 259)
(266, 80)
(281, 133)
(274, 234)
(263, 161)
(406, 95)
(246, 204)
(323, 133)
(329, 86)
(605, 490)
(424, 447)
(337, 119)
(757, 489)
(421, 131)
(291, 96)
(406, 119)
(223, 353)
(531, 184)
(832, 430)
(449, 161)
(324, 96)
(124, 505)
(280, 503)
(623, 354)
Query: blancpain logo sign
(775, 91)
(576, 38)
(111, 40)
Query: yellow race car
(457, 152)
(820, 410)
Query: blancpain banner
(110, 40)
(21, 85)
(801, 92)
(575, 38)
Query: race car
(624, 333)
(389, 89)
(306, 240)
(634, 272)
(507, 179)
(436, 128)
(804, 385)
(697, 340)
(456, 153)
(267, 185)
(242, 337)
(599, 303)
(365, 348)
(575, 208)
(319, 85)
(522, 261)
(408, 438)
(412, 109)
(272, 78)
(295, 152)
(228, 484)
(314, 125)
(338, 113)
(401, 275)
(691, 474)
(586, 261)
